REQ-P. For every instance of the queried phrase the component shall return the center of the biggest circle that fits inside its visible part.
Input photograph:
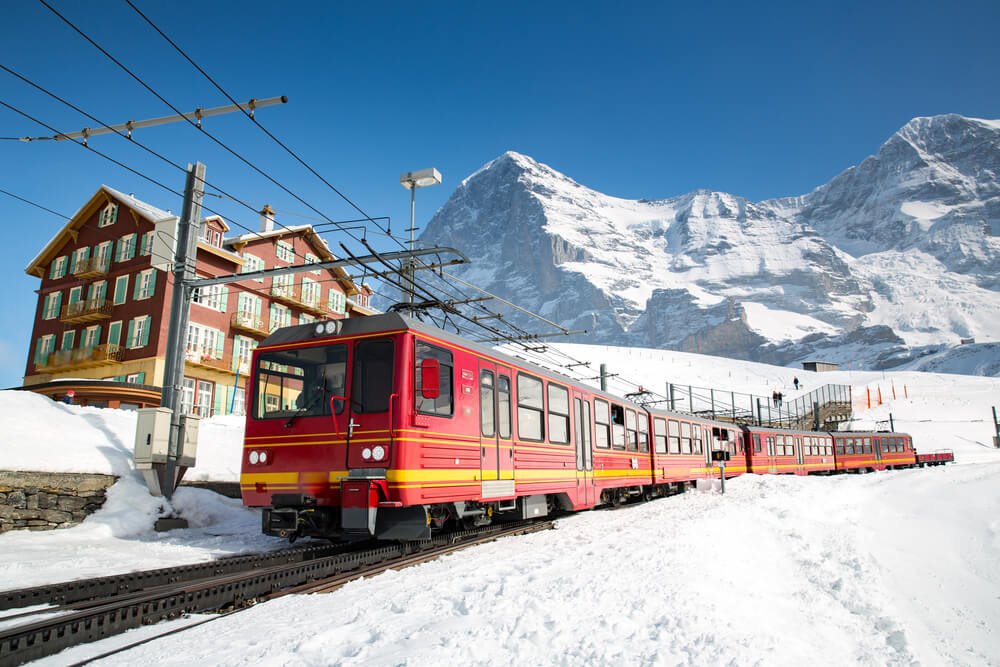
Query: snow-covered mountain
(892, 260)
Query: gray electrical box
(152, 436)
(189, 443)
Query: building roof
(103, 195)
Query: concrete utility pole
(180, 306)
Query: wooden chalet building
(103, 311)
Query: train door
(757, 454)
(366, 421)
(583, 439)
(798, 450)
(877, 448)
(496, 455)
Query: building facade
(103, 309)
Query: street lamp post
(412, 180)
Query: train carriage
(874, 450)
(786, 452)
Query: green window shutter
(121, 289)
(137, 287)
(241, 303)
(38, 350)
(119, 378)
(97, 338)
(86, 255)
(223, 298)
(90, 291)
(131, 333)
(118, 250)
(145, 330)
(115, 333)
(220, 347)
(52, 269)
(114, 214)
(257, 307)
(141, 379)
(152, 283)
(58, 306)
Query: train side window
(371, 384)
(756, 443)
(643, 433)
(660, 436)
(558, 414)
(602, 416)
(779, 445)
(868, 445)
(503, 414)
(530, 408)
(487, 420)
(697, 439)
(685, 438)
(675, 437)
(840, 445)
(732, 443)
(443, 405)
(631, 431)
(617, 426)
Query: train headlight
(378, 453)
(320, 329)
(254, 457)
(332, 327)
(366, 453)
(263, 457)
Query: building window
(252, 263)
(126, 248)
(243, 348)
(135, 378)
(313, 259)
(239, 401)
(187, 396)
(145, 285)
(108, 215)
(58, 269)
(115, 333)
(121, 290)
(280, 317)
(283, 285)
(46, 345)
(51, 305)
(138, 332)
(80, 257)
(338, 301)
(285, 252)
(91, 336)
(205, 342)
(204, 406)
(98, 292)
(306, 318)
(212, 296)
(146, 246)
(310, 292)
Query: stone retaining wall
(43, 501)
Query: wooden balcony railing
(292, 297)
(82, 357)
(248, 322)
(86, 311)
(95, 267)
(205, 358)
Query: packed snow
(886, 568)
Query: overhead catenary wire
(28, 201)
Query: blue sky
(633, 99)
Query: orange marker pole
(868, 390)
(880, 395)
(906, 394)
(894, 390)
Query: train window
(840, 445)
(503, 405)
(770, 445)
(756, 443)
(300, 383)
(643, 433)
(487, 421)
(631, 431)
(732, 443)
(697, 439)
(660, 436)
(443, 405)
(779, 445)
(685, 438)
(530, 408)
(588, 453)
(558, 414)
(371, 383)
(868, 445)
(602, 416)
(617, 426)
(675, 437)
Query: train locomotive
(387, 427)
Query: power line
(28, 201)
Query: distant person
(68, 398)
(795, 383)
(774, 396)
(778, 402)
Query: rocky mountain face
(890, 261)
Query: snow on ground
(887, 568)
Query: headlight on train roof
(378, 453)
(332, 327)
(320, 328)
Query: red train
(387, 427)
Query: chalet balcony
(205, 358)
(90, 310)
(82, 357)
(95, 267)
(250, 323)
(292, 297)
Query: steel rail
(232, 590)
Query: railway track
(90, 613)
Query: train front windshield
(300, 382)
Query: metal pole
(711, 398)
(409, 260)
(673, 398)
(180, 306)
(604, 377)
(996, 427)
